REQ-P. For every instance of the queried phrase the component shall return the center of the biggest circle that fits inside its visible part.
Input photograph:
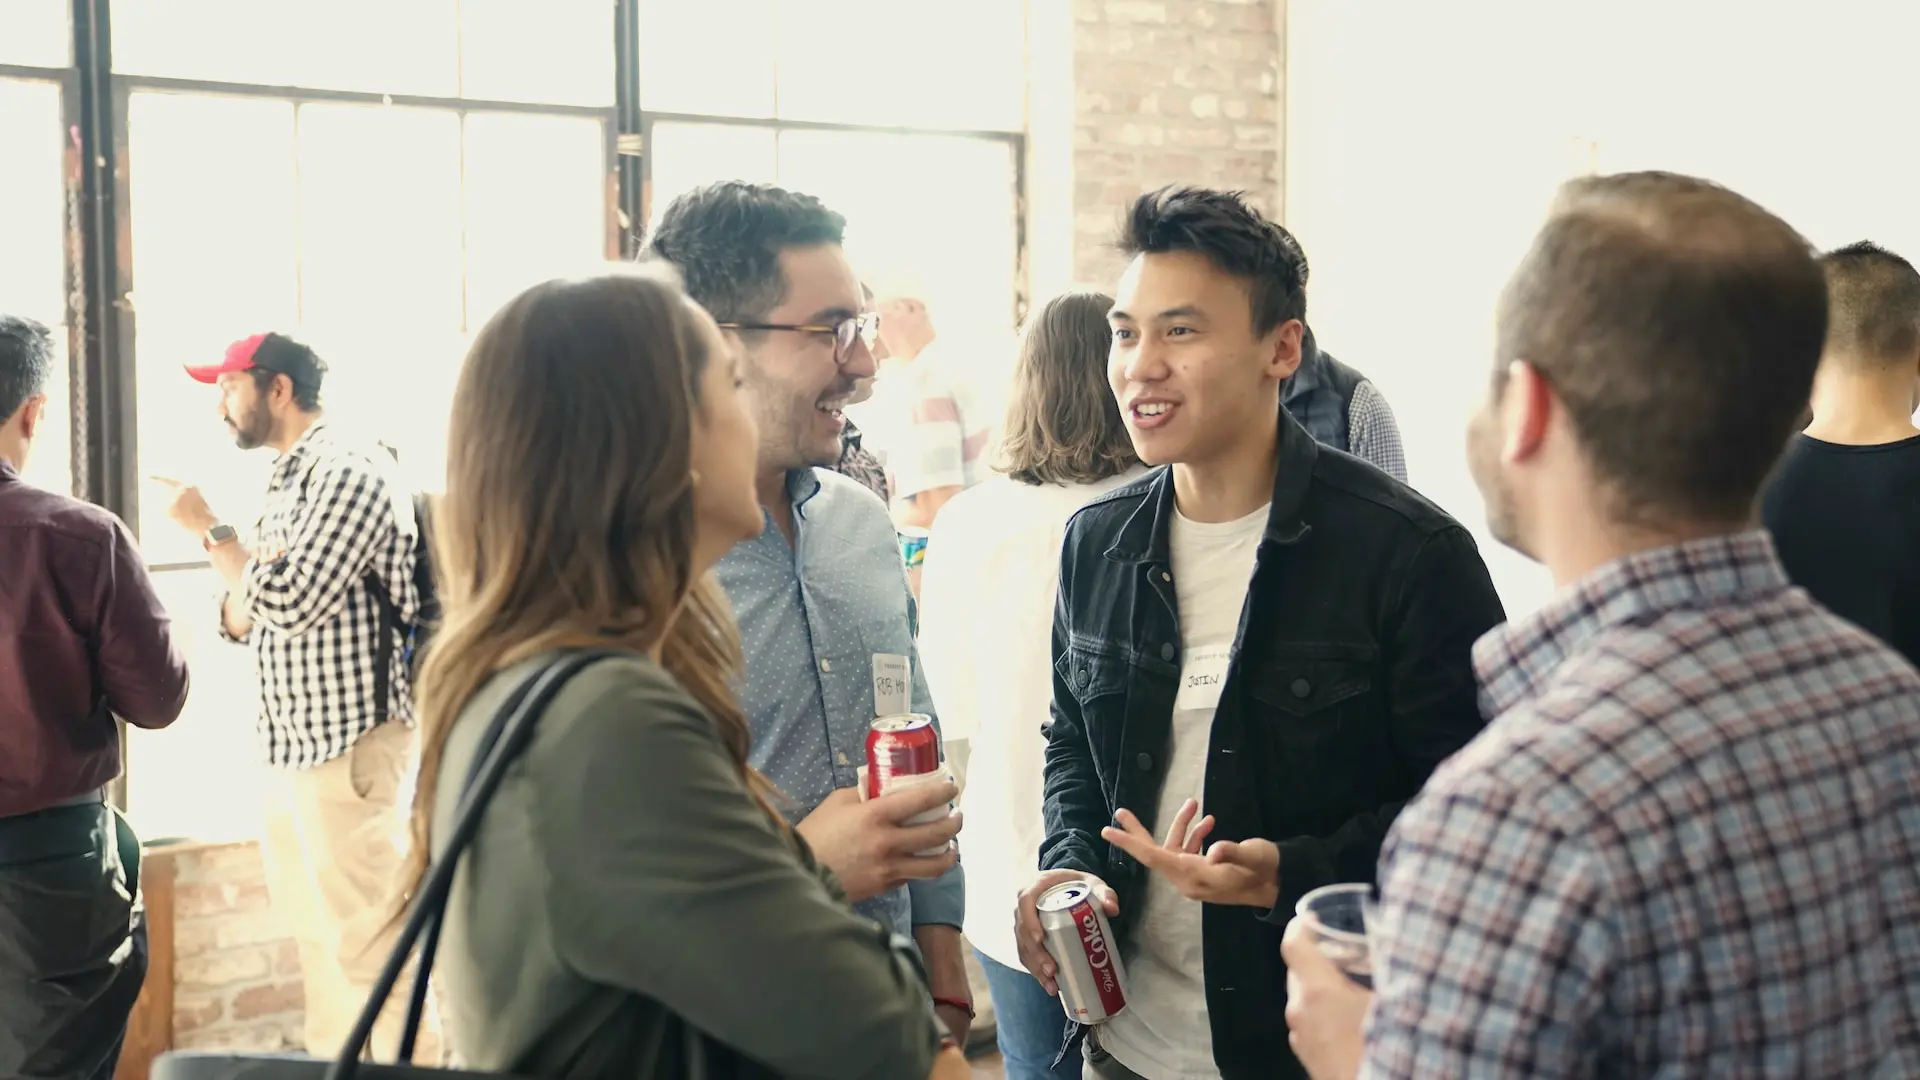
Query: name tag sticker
(892, 686)
(1202, 671)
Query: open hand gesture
(1244, 874)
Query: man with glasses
(821, 596)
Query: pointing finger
(1182, 820)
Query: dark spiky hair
(725, 239)
(1231, 234)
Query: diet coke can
(904, 751)
(1093, 984)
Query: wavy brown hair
(568, 520)
(1063, 426)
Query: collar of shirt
(802, 486)
(304, 447)
(1515, 661)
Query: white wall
(1424, 141)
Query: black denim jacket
(1350, 680)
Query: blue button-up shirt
(812, 616)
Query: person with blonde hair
(633, 903)
(992, 571)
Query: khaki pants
(334, 836)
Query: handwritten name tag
(1202, 672)
(892, 687)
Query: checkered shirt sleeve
(1372, 432)
(1500, 942)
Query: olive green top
(624, 885)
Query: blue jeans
(1030, 1024)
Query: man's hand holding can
(870, 847)
(1031, 934)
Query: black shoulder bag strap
(507, 735)
(383, 662)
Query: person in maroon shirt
(83, 639)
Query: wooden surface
(150, 1029)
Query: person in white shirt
(930, 415)
(987, 596)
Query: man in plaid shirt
(1688, 843)
(334, 545)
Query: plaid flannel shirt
(1687, 846)
(335, 512)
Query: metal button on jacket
(1301, 688)
(1166, 652)
(1145, 761)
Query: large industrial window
(375, 177)
(32, 240)
(378, 176)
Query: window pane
(168, 771)
(536, 199)
(964, 256)
(685, 156)
(380, 259)
(32, 236)
(212, 216)
(380, 217)
(36, 34)
(714, 57)
(559, 51)
(911, 63)
(32, 201)
(390, 46)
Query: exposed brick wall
(236, 971)
(1166, 91)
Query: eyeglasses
(865, 327)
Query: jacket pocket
(1092, 675)
(1314, 706)
(1305, 681)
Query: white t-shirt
(986, 633)
(1164, 1034)
(930, 420)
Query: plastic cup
(1337, 916)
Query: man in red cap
(322, 588)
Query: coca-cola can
(903, 751)
(900, 748)
(1093, 983)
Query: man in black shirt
(1844, 507)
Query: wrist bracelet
(956, 1003)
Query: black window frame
(99, 314)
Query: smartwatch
(219, 534)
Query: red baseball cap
(268, 352)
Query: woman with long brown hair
(632, 905)
(992, 571)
